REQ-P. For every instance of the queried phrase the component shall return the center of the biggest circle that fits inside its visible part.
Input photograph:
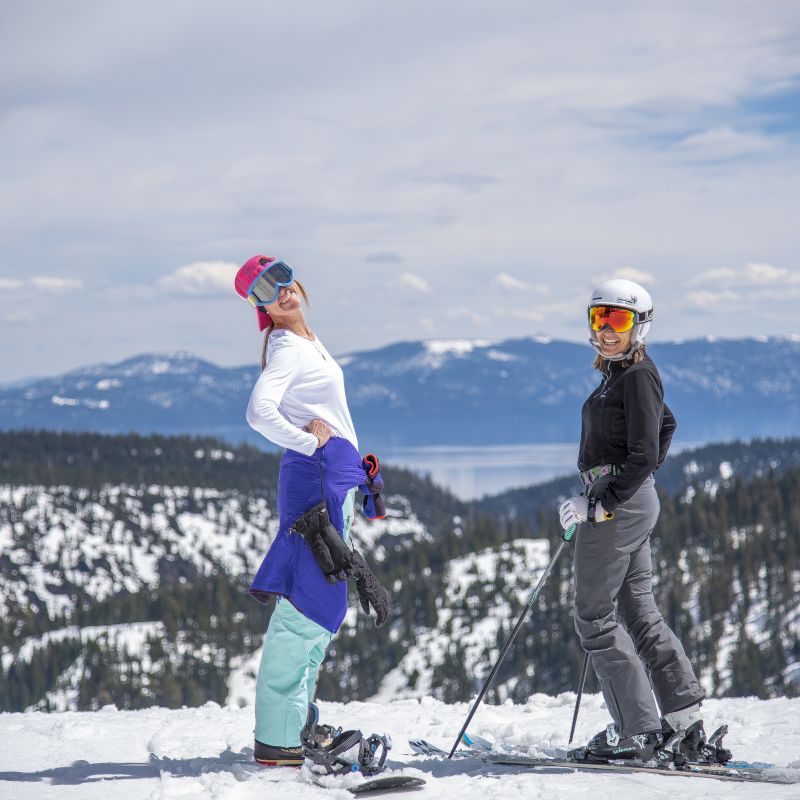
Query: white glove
(576, 510)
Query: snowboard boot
(685, 736)
(271, 756)
(608, 745)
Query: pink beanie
(246, 277)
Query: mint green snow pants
(294, 649)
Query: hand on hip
(321, 430)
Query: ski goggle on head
(267, 284)
(620, 319)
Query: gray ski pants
(630, 646)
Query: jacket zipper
(604, 384)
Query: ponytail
(267, 332)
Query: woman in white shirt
(299, 403)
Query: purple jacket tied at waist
(289, 569)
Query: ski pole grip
(569, 533)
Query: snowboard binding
(314, 732)
(348, 751)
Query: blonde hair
(638, 355)
(269, 330)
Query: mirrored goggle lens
(269, 282)
(620, 319)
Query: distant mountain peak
(180, 362)
(458, 347)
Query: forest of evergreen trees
(729, 549)
(731, 546)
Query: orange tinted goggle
(620, 319)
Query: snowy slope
(64, 546)
(204, 752)
(63, 540)
(464, 619)
(62, 543)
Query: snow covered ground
(157, 754)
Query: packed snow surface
(205, 752)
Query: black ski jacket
(626, 422)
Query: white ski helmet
(623, 293)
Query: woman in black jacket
(625, 436)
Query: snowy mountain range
(431, 392)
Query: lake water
(471, 472)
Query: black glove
(370, 592)
(327, 546)
(339, 562)
(600, 489)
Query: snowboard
(385, 784)
(740, 773)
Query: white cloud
(713, 301)
(56, 284)
(757, 272)
(711, 276)
(754, 273)
(205, 278)
(755, 282)
(720, 143)
(506, 281)
(412, 282)
(9, 284)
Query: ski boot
(685, 736)
(608, 745)
(348, 751)
(322, 735)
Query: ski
(715, 772)
(478, 747)
(740, 772)
(424, 748)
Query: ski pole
(578, 698)
(566, 538)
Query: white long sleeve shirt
(301, 382)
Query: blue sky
(431, 170)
